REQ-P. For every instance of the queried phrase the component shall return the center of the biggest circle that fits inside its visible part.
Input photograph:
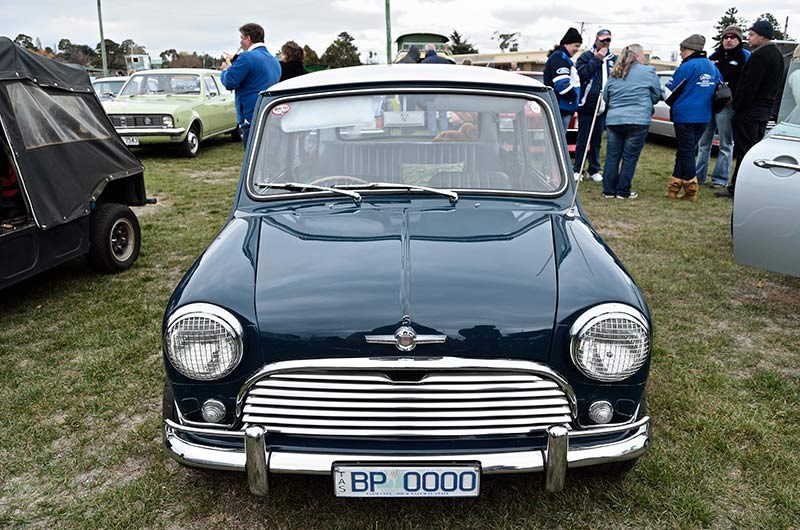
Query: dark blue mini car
(405, 296)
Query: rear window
(47, 119)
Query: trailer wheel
(114, 238)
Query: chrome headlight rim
(597, 314)
(217, 314)
(167, 121)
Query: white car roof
(398, 73)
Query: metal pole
(388, 33)
(102, 40)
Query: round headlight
(610, 342)
(203, 341)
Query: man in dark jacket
(432, 57)
(560, 73)
(729, 58)
(594, 67)
(755, 95)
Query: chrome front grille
(439, 403)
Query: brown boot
(674, 187)
(690, 188)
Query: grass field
(81, 377)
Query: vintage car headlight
(610, 342)
(166, 121)
(203, 341)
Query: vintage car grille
(451, 403)
(138, 120)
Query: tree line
(341, 52)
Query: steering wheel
(334, 179)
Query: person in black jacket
(755, 95)
(291, 60)
(730, 58)
(594, 68)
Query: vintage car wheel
(191, 144)
(335, 179)
(114, 239)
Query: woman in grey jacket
(630, 94)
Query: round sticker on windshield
(280, 110)
(534, 107)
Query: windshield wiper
(296, 186)
(453, 196)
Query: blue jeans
(687, 136)
(593, 157)
(624, 144)
(722, 124)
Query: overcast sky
(211, 27)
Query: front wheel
(114, 238)
(191, 144)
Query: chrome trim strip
(522, 93)
(785, 137)
(408, 363)
(151, 132)
(420, 339)
(285, 462)
(555, 462)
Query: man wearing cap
(689, 94)
(594, 66)
(755, 95)
(729, 58)
(560, 73)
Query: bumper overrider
(248, 448)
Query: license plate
(130, 140)
(457, 480)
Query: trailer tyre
(114, 238)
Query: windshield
(789, 114)
(450, 141)
(107, 87)
(160, 83)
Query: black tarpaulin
(65, 148)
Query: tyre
(236, 134)
(191, 144)
(168, 411)
(114, 238)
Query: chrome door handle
(767, 164)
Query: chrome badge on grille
(405, 338)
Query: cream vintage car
(179, 106)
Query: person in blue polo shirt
(689, 93)
(248, 73)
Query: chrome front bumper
(172, 131)
(258, 460)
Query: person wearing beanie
(690, 93)
(560, 73)
(755, 95)
(594, 69)
(729, 59)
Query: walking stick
(571, 211)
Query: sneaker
(578, 177)
(725, 192)
(717, 186)
(633, 195)
(609, 195)
(597, 177)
